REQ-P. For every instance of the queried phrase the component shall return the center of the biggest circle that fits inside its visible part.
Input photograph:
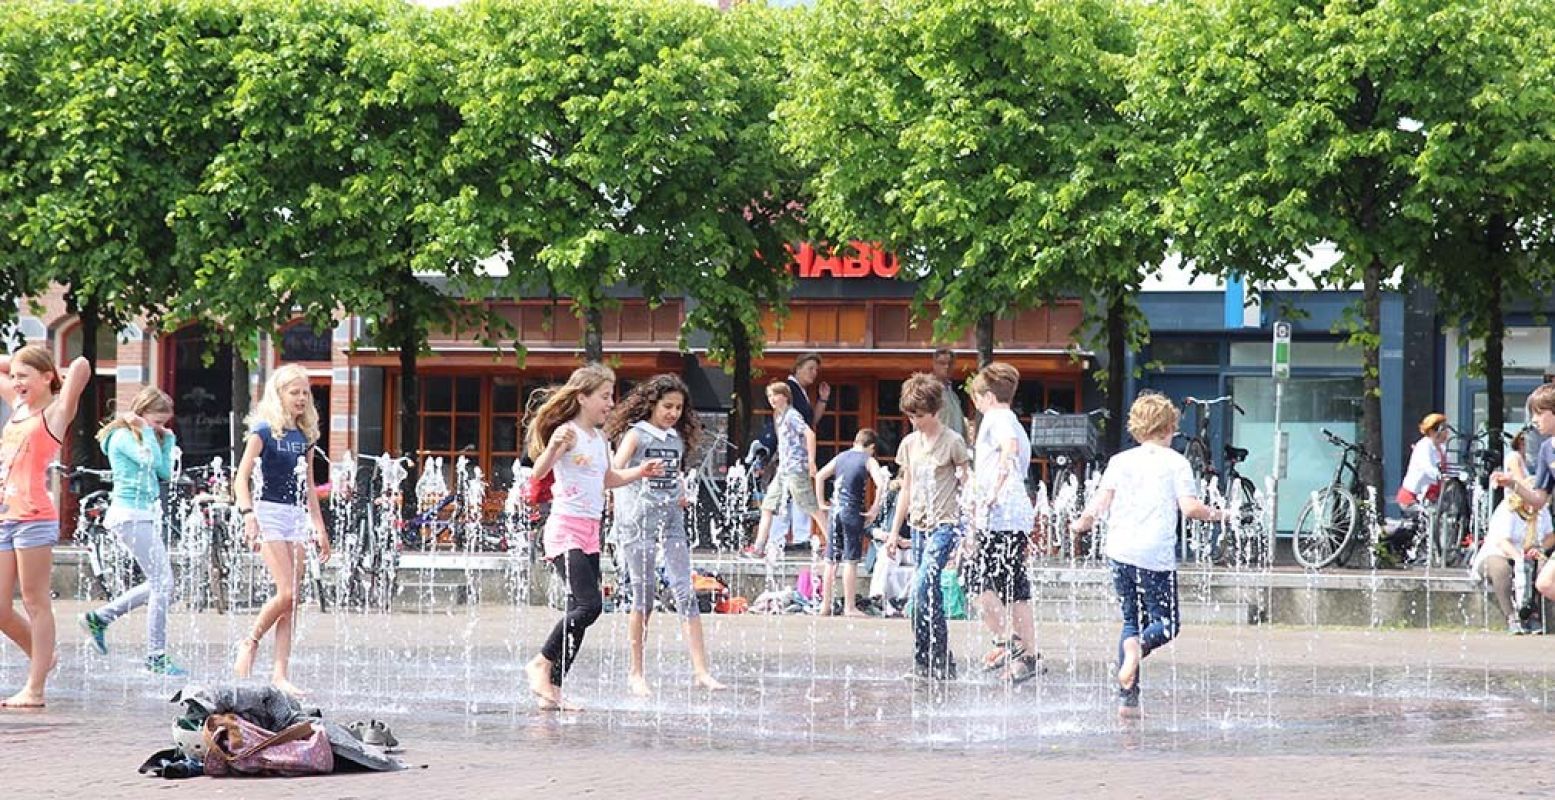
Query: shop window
(107, 344)
(302, 342)
(1514, 407)
(1310, 405)
(1525, 351)
(450, 419)
(1329, 354)
(1185, 352)
(840, 424)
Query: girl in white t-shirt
(565, 436)
(1156, 485)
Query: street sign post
(1280, 364)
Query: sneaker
(160, 664)
(97, 629)
(1129, 698)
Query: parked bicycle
(367, 499)
(1462, 511)
(1071, 445)
(210, 537)
(1244, 540)
(111, 566)
(1328, 527)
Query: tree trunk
(241, 400)
(83, 448)
(410, 398)
(594, 335)
(985, 340)
(1371, 360)
(1117, 347)
(1495, 335)
(743, 383)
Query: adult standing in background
(951, 414)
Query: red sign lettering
(861, 261)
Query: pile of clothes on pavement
(262, 731)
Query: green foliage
(982, 141)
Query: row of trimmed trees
(245, 161)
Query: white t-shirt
(1011, 509)
(1425, 467)
(580, 476)
(1146, 482)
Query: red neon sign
(865, 261)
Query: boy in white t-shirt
(1156, 484)
(1002, 521)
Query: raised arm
(821, 477)
(63, 410)
(7, 389)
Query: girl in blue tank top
(282, 431)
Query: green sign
(1281, 351)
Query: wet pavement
(809, 692)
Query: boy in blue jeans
(932, 462)
(1142, 491)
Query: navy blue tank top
(851, 477)
(278, 463)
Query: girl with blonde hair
(282, 431)
(565, 436)
(140, 450)
(42, 405)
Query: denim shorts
(27, 534)
(281, 522)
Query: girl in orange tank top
(42, 401)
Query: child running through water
(795, 471)
(1002, 522)
(140, 450)
(42, 406)
(853, 470)
(653, 423)
(1141, 493)
(932, 462)
(565, 436)
(282, 431)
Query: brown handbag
(235, 746)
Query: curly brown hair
(639, 405)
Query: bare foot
(853, 612)
(538, 670)
(24, 699)
(708, 682)
(1128, 671)
(287, 687)
(247, 649)
(639, 685)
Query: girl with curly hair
(653, 423)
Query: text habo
(859, 261)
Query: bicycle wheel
(1248, 544)
(1454, 534)
(114, 570)
(1324, 527)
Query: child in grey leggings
(654, 423)
(140, 451)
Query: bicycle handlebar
(74, 472)
(1223, 399)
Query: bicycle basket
(1065, 433)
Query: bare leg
(1128, 671)
(828, 587)
(850, 589)
(992, 609)
(35, 567)
(638, 628)
(13, 625)
(538, 670)
(703, 675)
(1025, 624)
(1545, 583)
(763, 528)
(286, 626)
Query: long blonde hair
(272, 410)
(560, 405)
(150, 400)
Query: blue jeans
(1149, 603)
(931, 635)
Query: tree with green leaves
(981, 141)
(323, 200)
(1484, 175)
(114, 132)
(1290, 126)
(594, 145)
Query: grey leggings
(144, 541)
(640, 557)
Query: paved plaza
(818, 706)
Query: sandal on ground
(1003, 651)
